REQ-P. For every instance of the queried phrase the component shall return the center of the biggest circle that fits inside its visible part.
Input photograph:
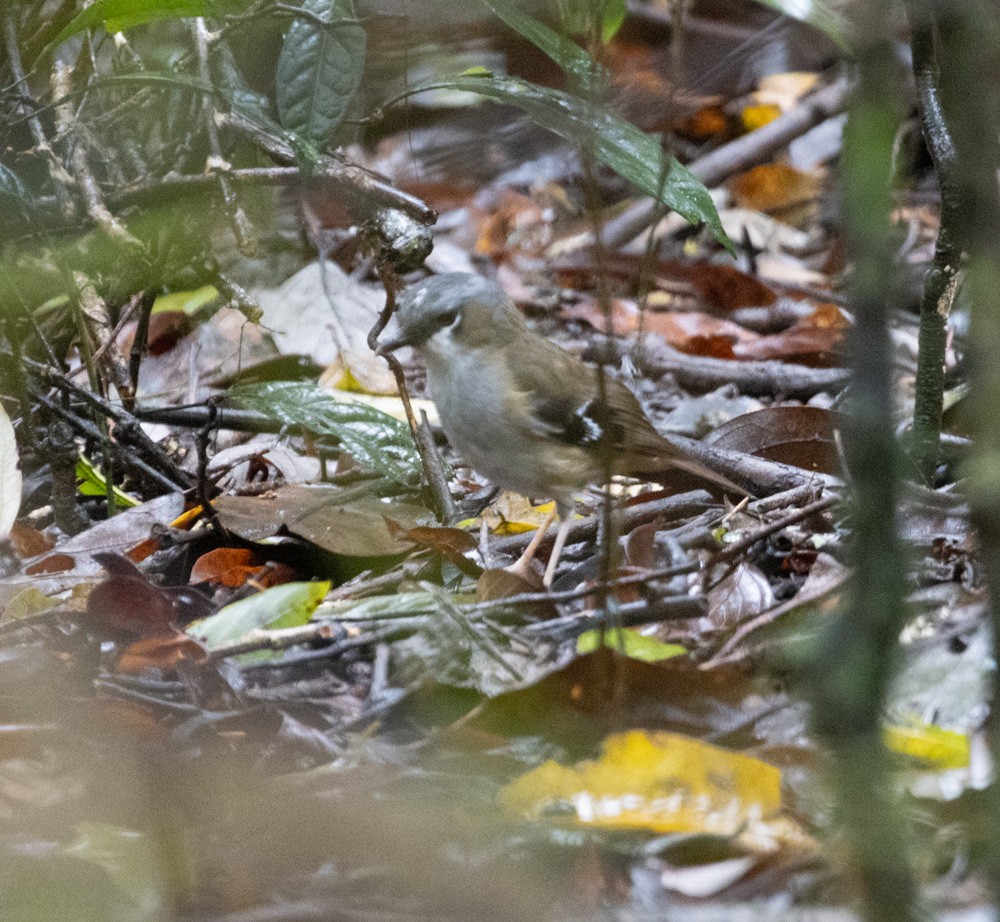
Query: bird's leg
(521, 566)
(565, 520)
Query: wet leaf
(567, 54)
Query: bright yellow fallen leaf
(929, 745)
(754, 117)
(663, 783)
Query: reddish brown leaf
(29, 542)
(700, 334)
(727, 288)
(161, 651)
(166, 330)
(230, 566)
(54, 563)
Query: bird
(523, 412)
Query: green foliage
(119, 15)
(374, 439)
(631, 153)
(319, 70)
(290, 605)
(93, 483)
(577, 64)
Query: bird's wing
(566, 403)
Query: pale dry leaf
(10, 476)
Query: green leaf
(284, 606)
(581, 18)
(119, 15)
(629, 642)
(375, 439)
(93, 483)
(631, 153)
(567, 54)
(817, 14)
(189, 302)
(319, 70)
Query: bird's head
(456, 310)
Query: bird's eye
(450, 319)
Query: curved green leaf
(319, 70)
(631, 153)
(567, 54)
(375, 439)
(119, 15)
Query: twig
(767, 378)
(280, 639)
(128, 428)
(86, 183)
(217, 166)
(941, 281)
(57, 172)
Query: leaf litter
(300, 657)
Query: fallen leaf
(664, 783)
(801, 436)
(160, 651)
(10, 476)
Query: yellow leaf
(664, 783)
(755, 117)
(929, 745)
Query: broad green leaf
(629, 642)
(631, 153)
(567, 54)
(319, 70)
(10, 476)
(93, 483)
(284, 606)
(119, 15)
(817, 14)
(374, 439)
